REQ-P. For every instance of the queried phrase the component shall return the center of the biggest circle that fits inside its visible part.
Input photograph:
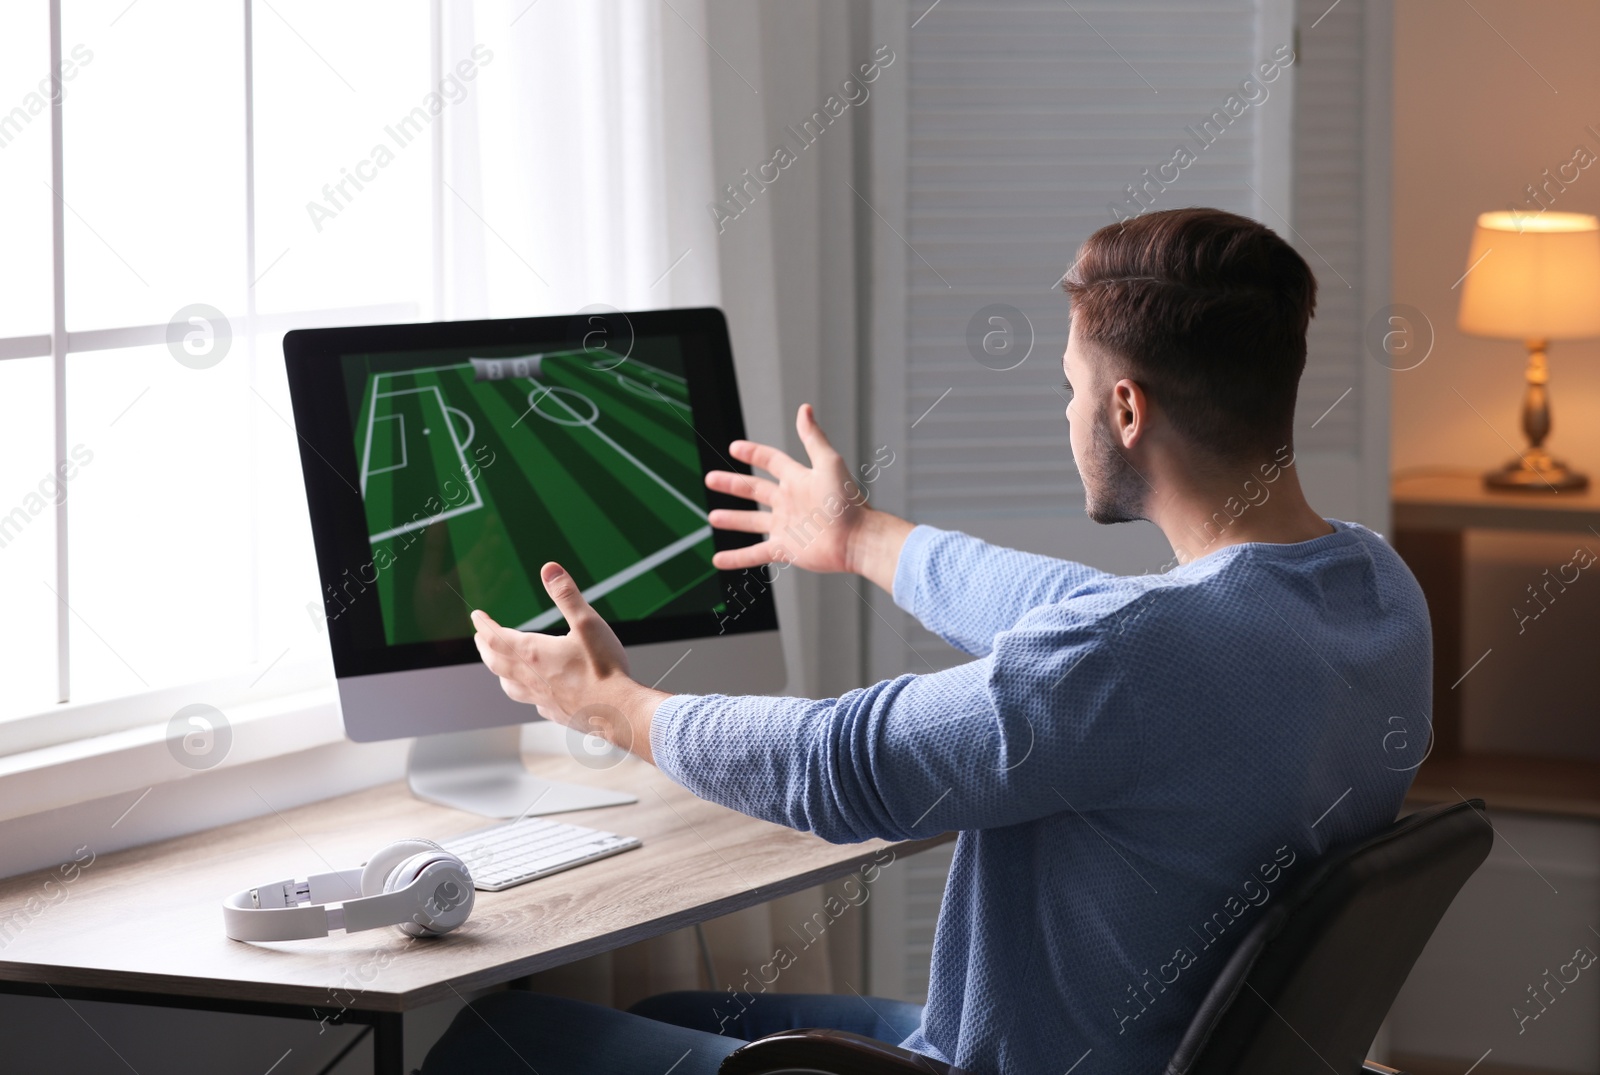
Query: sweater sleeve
(1037, 728)
(966, 590)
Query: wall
(1486, 99)
(1478, 118)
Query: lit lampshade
(1538, 277)
(1533, 278)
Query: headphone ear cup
(375, 875)
(449, 902)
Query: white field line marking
(377, 378)
(645, 391)
(405, 457)
(420, 523)
(626, 575)
(427, 369)
(547, 354)
(550, 354)
(553, 354)
(645, 365)
(620, 450)
(472, 428)
(372, 412)
(466, 470)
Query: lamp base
(1537, 472)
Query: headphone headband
(425, 890)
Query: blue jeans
(686, 1033)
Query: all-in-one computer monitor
(445, 463)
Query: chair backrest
(1309, 985)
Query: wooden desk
(1431, 517)
(1462, 503)
(145, 925)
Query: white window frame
(301, 705)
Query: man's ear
(1132, 412)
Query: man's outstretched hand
(579, 679)
(819, 519)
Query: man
(1136, 765)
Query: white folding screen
(1023, 126)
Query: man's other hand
(818, 517)
(579, 679)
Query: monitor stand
(482, 772)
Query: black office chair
(1303, 994)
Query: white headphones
(415, 884)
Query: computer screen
(446, 463)
(478, 467)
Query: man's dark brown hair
(1208, 313)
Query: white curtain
(577, 171)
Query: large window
(187, 180)
(193, 173)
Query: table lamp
(1533, 278)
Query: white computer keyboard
(530, 848)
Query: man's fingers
(748, 522)
(500, 657)
(501, 638)
(750, 556)
(511, 656)
(503, 649)
(484, 640)
(811, 434)
(775, 462)
(760, 490)
(501, 664)
(563, 590)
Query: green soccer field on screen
(476, 470)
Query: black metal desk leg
(389, 1044)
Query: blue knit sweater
(1136, 766)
